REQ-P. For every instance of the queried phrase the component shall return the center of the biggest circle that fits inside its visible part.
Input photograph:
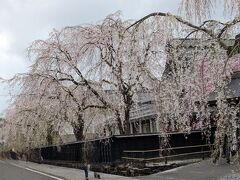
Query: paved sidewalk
(203, 170)
(65, 173)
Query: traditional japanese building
(143, 114)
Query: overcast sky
(23, 21)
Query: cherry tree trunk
(78, 128)
(119, 123)
(127, 122)
(49, 137)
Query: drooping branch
(217, 36)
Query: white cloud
(5, 41)
(10, 63)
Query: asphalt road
(12, 172)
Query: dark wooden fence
(126, 147)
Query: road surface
(65, 173)
(12, 172)
(204, 170)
